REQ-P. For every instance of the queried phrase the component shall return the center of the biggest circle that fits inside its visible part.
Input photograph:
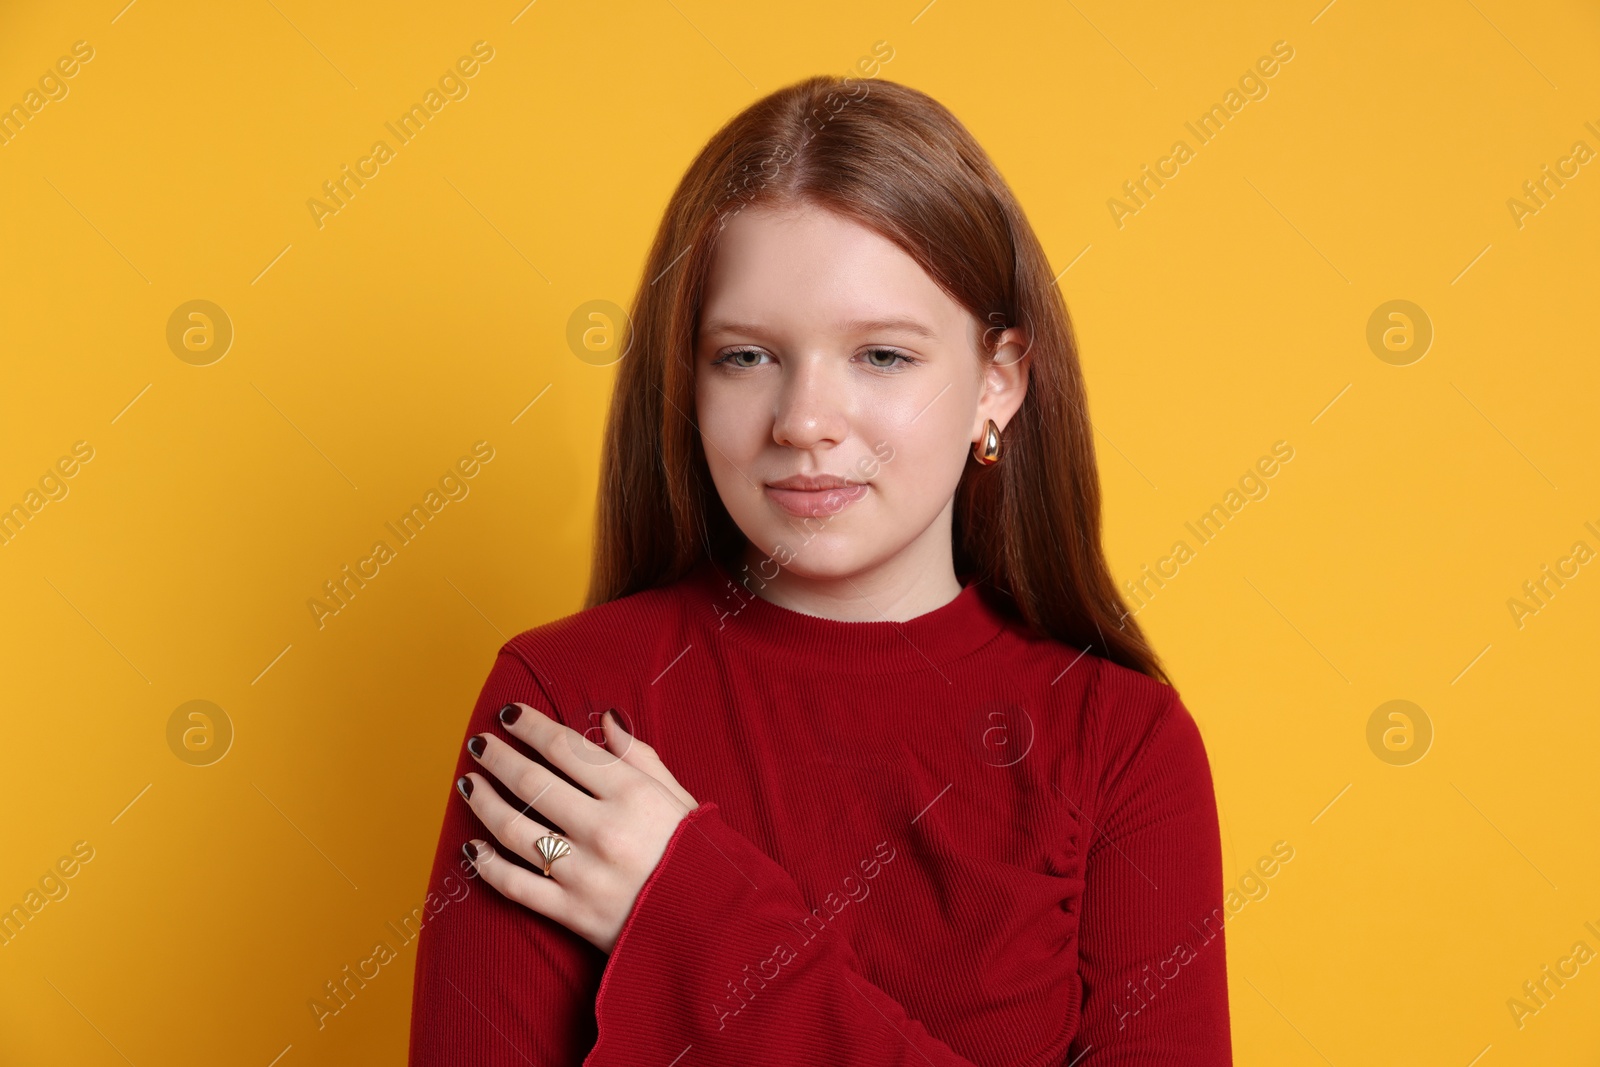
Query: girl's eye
(732, 358)
(894, 358)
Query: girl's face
(839, 392)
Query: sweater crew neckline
(923, 642)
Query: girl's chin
(812, 554)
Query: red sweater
(941, 841)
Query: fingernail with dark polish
(464, 787)
(509, 714)
(476, 745)
(471, 851)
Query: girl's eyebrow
(850, 326)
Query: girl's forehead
(822, 272)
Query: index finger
(598, 770)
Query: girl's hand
(618, 830)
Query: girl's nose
(811, 407)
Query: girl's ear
(1005, 380)
(1016, 348)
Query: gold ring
(552, 847)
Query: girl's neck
(913, 582)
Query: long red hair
(898, 162)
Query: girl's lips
(816, 503)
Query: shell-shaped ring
(552, 847)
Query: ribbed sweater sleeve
(497, 984)
(1151, 948)
(715, 962)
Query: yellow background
(1227, 314)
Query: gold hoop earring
(987, 451)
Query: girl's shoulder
(628, 618)
(1140, 722)
(614, 636)
(1084, 676)
(1104, 714)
